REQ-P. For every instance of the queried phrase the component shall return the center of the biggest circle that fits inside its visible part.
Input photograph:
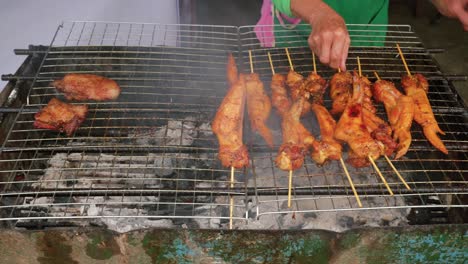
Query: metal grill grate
(151, 154)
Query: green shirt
(374, 12)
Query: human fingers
(326, 41)
(336, 51)
(344, 53)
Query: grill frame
(265, 200)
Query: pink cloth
(265, 25)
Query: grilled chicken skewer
(258, 105)
(416, 86)
(228, 123)
(327, 148)
(400, 112)
(341, 85)
(352, 130)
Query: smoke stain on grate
(54, 248)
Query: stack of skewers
(367, 136)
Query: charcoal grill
(150, 159)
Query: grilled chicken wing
(379, 129)
(83, 87)
(296, 139)
(416, 86)
(279, 95)
(232, 74)
(227, 125)
(400, 112)
(328, 148)
(60, 116)
(258, 107)
(296, 82)
(314, 88)
(341, 86)
(352, 130)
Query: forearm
(310, 10)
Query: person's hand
(329, 38)
(454, 9)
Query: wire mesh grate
(151, 155)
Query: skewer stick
(231, 200)
(271, 63)
(289, 59)
(380, 174)
(359, 66)
(251, 63)
(376, 75)
(351, 182)
(397, 173)
(313, 61)
(289, 188)
(389, 161)
(339, 70)
(403, 59)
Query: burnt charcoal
(163, 166)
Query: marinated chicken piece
(379, 129)
(352, 130)
(296, 83)
(341, 86)
(416, 86)
(356, 161)
(279, 95)
(232, 74)
(400, 112)
(60, 116)
(82, 87)
(258, 107)
(296, 139)
(228, 124)
(327, 148)
(314, 88)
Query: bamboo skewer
(389, 161)
(369, 157)
(403, 59)
(290, 172)
(313, 62)
(231, 199)
(397, 173)
(251, 63)
(271, 63)
(289, 59)
(381, 176)
(359, 66)
(351, 182)
(356, 195)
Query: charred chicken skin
(352, 129)
(60, 116)
(416, 86)
(227, 125)
(295, 83)
(258, 107)
(341, 86)
(82, 87)
(279, 94)
(296, 139)
(327, 148)
(400, 112)
(314, 88)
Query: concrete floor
(446, 33)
